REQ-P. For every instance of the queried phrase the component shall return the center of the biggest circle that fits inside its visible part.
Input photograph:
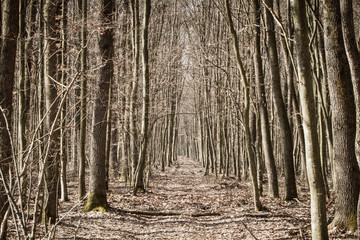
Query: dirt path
(179, 197)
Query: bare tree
(285, 138)
(97, 187)
(52, 15)
(346, 169)
(145, 126)
(245, 85)
(307, 100)
(9, 33)
(265, 128)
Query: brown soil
(184, 204)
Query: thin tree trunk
(51, 38)
(134, 149)
(145, 134)
(244, 81)
(21, 84)
(273, 187)
(83, 92)
(307, 100)
(285, 138)
(63, 134)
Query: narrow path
(183, 190)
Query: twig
(3, 224)
(301, 234)
(77, 228)
(65, 215)
(249, 230)
(297, 200)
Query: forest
(179, 119)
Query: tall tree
(307, 100)
(21, 82)
(134, 151)
(285, 135)
(246, 88)
(9, 33)
(97, 200)
(347, 20)
(52, 15)
(264, 120)
(346, 168)
(83, 91)
(145, 134)
(62, 77)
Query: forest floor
(182, 203)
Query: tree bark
(353, 56)
(286, 141)
(134, 150)
(307, 100)
(145, 134)
(273, 188)
(62, 66)
(9, 33)
(83, 100)
(346, 168)
(21, 84)
(97, 200)
(245, 85)
(51, 38)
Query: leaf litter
(182, 203)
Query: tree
(353, 56)
(145, 134)
(346, 168)
(62, 77)
(9, 33)
(51, 13)
(132, 94)
(286, 141)
(307, 100)
(83, 91)
(260, 89)
(97, 200)
(245, 85)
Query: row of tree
(277, 90)
(248, 88)
(62, 60)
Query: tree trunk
(134, 150)
(245, 85)
(273, 187)
(286, 141)
(21, 84)
(9, 33)
(83, 92)
(343, 121)
(353, 56)
(51, 123)
(307, 100)
(97, 188)
(62, 65)
(145, 134)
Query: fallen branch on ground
(170, 213)
(248, 230)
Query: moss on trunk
(345, 223)
(96, 202)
